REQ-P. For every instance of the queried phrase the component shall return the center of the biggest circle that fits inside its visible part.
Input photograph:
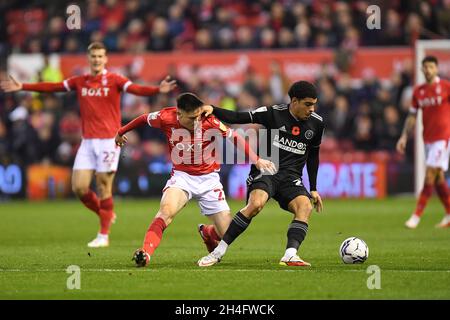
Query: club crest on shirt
(153, 115)
(309, 134)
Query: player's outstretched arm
(12, 85)
(409, 125)
(165, 86)
(120, 138)
(227, 116)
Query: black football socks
(237, 226)
(296, 234)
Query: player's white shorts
(101, 155)
(206, 189)
(438, 154)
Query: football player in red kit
(98, 95)
(433, 98)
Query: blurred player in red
(195, 169)
(98, 94)
(433, 97)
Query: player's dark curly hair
(430, 59)
(188, 102)
(302, 90)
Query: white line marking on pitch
(220, 270)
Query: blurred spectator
(363, 133)
(70, 135)
(203, 40)
(303, 34)
(389, 128)
(267, 39)
(392, 30)
(22, 135)
(244, 38)
(160, 37)
(278, 83)
(339, 123)
(46, 139)
(443, 18)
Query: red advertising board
(232, 66)
(48, 181)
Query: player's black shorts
(284, 186)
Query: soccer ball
(354, 250)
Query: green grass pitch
(38, 241)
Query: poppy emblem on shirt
(295, 131)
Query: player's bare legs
(213, 233)
(431, 176)
(444, 195)
(221, 221)
(256, 202)
(301, 207)
(81, 181)
(172, 201)
(104, 183)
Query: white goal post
(422, 49)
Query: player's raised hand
(207, 110)
(401, 144)
(120, 140)
(167, 85)
(317, 201)
(266, 166)
(10, 85)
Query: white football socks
(221, 248)
(290, 252)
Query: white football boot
(293, 261)
(412, 222)
(101, 241)
(445, 222)
(209, 260)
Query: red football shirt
(190, 152)
(99, 99)
(434, 100)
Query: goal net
(441, 50)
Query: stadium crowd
(136, 26)
(39, 127)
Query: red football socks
(154, 235)
(106, 214)
(91, 201)
(444, 195)
(426, 193)
(210, 232)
